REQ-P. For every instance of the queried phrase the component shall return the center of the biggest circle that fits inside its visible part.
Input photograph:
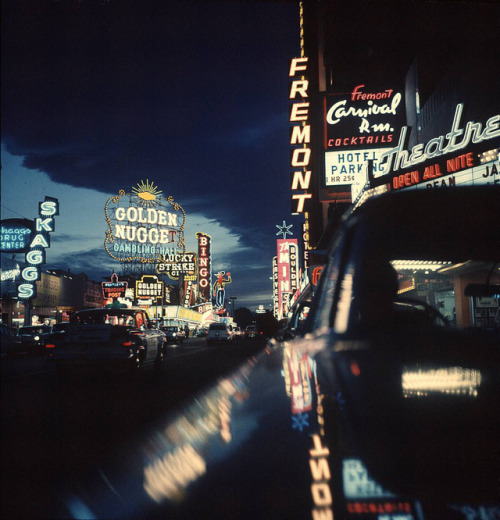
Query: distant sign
(114, 288)
(175, 264)
(16, 235)
(143, 225)
(149, 288)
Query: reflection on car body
(60, 327)
(385, 409)
(121, 339)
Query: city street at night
(57, 429)
(250, 260)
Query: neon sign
(287, 266)
(35, 256)
(16, 235)
(205, 265)
(364, 118)
(399, 158)
(300, 137)
(114, 288)
(219, 291)
(149, 288)
(275, 288)
(175, 264)
(143, 225)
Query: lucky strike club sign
(143, 225)
(365, 118)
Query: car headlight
(37, 338)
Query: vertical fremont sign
(300, 136)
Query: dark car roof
(435, 218)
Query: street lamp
(232, 302)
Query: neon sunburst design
(148, 193)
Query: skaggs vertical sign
(35, 256)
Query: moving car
(201, 332)
(115, 339)
(251, 332)
(218, 333)
(33, 338)
(174, 333)
(386, 408)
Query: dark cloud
(192, 95)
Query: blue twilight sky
(192, 95)
(98, 95)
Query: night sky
(191, 95)
(98, 95)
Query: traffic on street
(250, 260)
(59, 427)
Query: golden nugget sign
(143, 225)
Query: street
(53, 429)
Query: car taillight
(127, 344)
(50, 345)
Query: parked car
(218, 333)
(251, 332)
(385, 409)
(10, 343)
(33, 338)
(174, 333)
(114, 339)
